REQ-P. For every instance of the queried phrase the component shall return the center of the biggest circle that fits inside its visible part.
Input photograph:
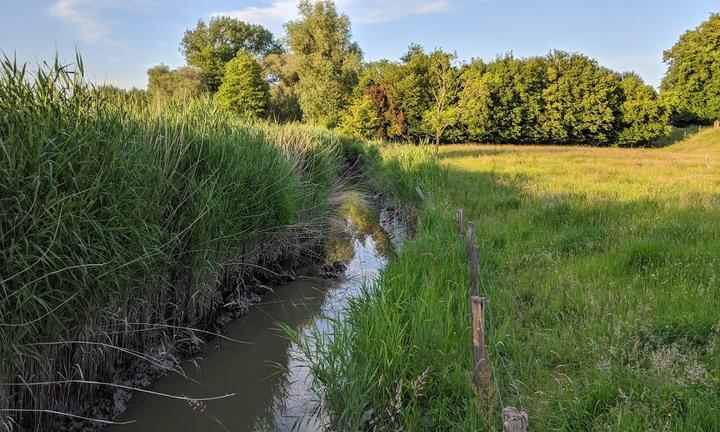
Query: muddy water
(265, 371)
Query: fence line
(513, 420)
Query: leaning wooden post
(514, 420)
(474, 269)
(460, 221)
(477, 311)
(470, 239)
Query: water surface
(265, 371)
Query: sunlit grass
(601, 267)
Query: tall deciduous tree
(325, 58)
(444, 88)
(243, 90)
(692, 82)
(211, 46)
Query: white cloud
(78, 13)
(377, 11)
(272, 15)
(277, 12)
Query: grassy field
(601, 266)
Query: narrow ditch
(264, 370)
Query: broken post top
(514, 420)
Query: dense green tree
(503, 100)
(558, 98)
(326, 60)
(211, 46)
(580, 100)
(692, 82)
(181, 82)
(361, 120)
(409, 84)
(644, 118)
(244, 90)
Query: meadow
(601, 268)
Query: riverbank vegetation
(128, 216)
(123, 220)
(602, 276)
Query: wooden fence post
(470, 239)
(474, 269)
(460, 221)
(477, 311)
(514, 420)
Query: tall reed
(120, 216)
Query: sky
(120, 39)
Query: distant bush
(183, 82)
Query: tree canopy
(692, 82)
(325, 59)
(243, 90)
(211, 46)
(317, 75)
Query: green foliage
(409, 84)
(444, 87)
(210, 47)
(560, 98)
(643, 117)
(243, 90)
(361, 120)
(692, 82)
(117, 210)
(284, 102)
(580, 100)
(325, 59)
(184, 82)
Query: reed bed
(123, 220)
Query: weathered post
(514, 420)
(477, 311)
(474, 269)
(460, 221)
(470, 239)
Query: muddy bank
(133, 351)
(271, 387)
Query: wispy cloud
(275, 12)
(377, 11)
(79, 13)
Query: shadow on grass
(677, 135)
(584, 295)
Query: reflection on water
(271, 384)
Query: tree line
(316, 74)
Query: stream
(265, 371)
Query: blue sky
(121, 39)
